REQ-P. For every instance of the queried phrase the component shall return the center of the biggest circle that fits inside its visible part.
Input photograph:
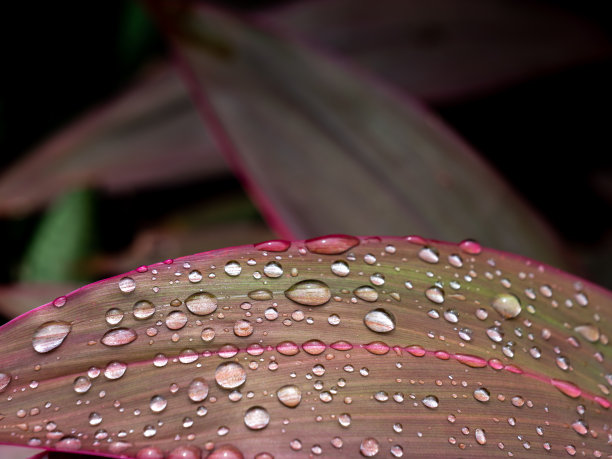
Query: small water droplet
(194, 276)
(176, 320)
(480, 436)
(256, 418)
(201, 303)
(379, 320)
(429, 255)
(366, 293)
(50, 335)
(580, 427)
(495, 334)
(289, 395)
(81, 384)
(158, 404)
(119, 337)
(451, 316)
(377, 279)
(435, 294)
(470, 246)
(198, 390)
(143, 309)
(94, 419)
(482, 394)
(115, 370)
(340, 268)
(507, 305)
(369, 447)
(344, 420)
(273, 269)
(431, 401)
(127, 285)
(243, 328)
(260, 295)
(309, 293)
(59, 301)
(230, 375)
(276, 245)
(588, 332)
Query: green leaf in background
(334, 347)
(63, 238)
(323, 148)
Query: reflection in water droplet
(69, 443)
(331, 245)
(114, 316)
(507, 305)
(201, 303)
(431, 401)
(380, 321)
(119, 337)
(187, 452)
(158, 404)
(309, 293)
(340, 268)
(230, 375)
(369, 447)
(273, 269)
(115, 370)
(143, 309)
(256, 418)
(366, 293)
(127, 285)
(289, 395)
(50, 335)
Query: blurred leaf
(331, 346)
(136, 32)
(441, 50)
(62, 239)
(20, 298)
(322, 148)
(149, 136)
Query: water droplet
(81, 384)
(495, 334)
(194, 276)
(482, 394)
(480, 436)
(176, 320)
(114, 316)
(243, 328)
(379, 320)
(208, 334)
(198, 390)
(289, 395)
(94, 419)
(276, 245)
(260, 295)
(60, 301)
(369, 447)
(455, 260)
(580, 427)
(332, 244)
(340, 268)
(366, 293)
(188, 356)
(230, 375)
(158, 404)
(435, 294)
(50, 335)
(143, 309)
(115, 370)
(160, 360)
(566, 387)
(451, 316)
(309, 293)
(431, 401)
(150, 452)
(377, 279)
(188, 452)
(429, 255)
(314, 347)
(344, 419)
(287, 348)
(201, 303)
(273, 269)
(119, 337)
(127, 285)
(256, 418)
(69, 443)
(588, 332)
(507, 305)
(470, 246)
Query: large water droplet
(431, 401)
(273, 269)
(50, 335)
(158, 404)
(309, 293)
(119, 337)
(380, 321)
(332, 244)
(289, 395)
(115, 370)
(201, 303)
(369, 447)
(233, 268)
(507, 305)
(143, 309)
(230, 375)
(366, 293)
(127, 285)
(256, 418)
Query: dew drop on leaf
(369, 447)
(431, 401)
(194, 276)
(435, 294)
(507, 305)
(289, 395)
(331, 245)
(81, 384)
(588, 332)
(127, 285)
(273, 269)
(201, 303)
(256, 418)
(198, 390)
(176, 320)
(380, 321)
(119, 337)
(114, 316)
(470, 246)
(309, 293)
(115, 370)
(143, 309)
(429, 255)
(482, 394)
(366, 293)
(50, 335)
(230, 375)
(243, 328)
(340, 268)
(157, 404)
(273, 246)
(233, 268)
(260, 295)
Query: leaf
(19, 298)
(323, 148)
(330, 347)
(440, 51)
(149, 135)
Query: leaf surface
(332, 347)
(150, 134)
(323, 148)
